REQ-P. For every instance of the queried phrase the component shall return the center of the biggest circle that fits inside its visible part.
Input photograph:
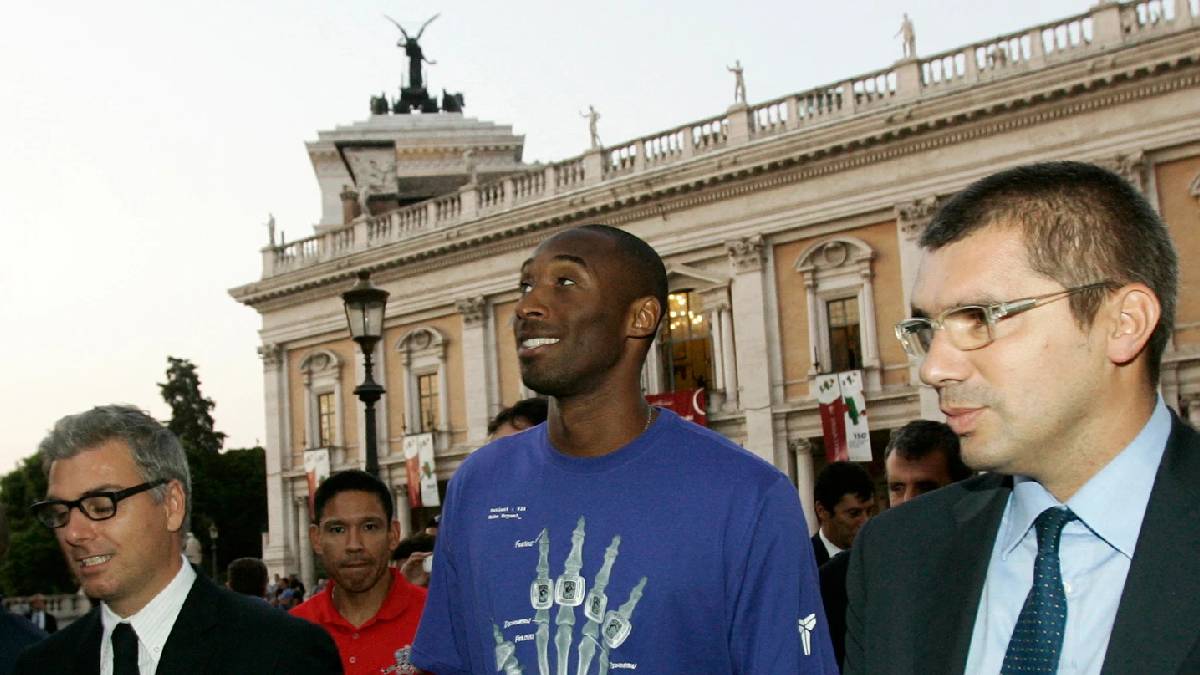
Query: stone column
(911, 219)
(716, 397)
(748, 293)
(729, 358)
(475, 366)
(275, 400)
(403, 511)
(872, 367)
(308, 568)
(802, 450)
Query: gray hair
(156, 451)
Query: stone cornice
(1149, 69)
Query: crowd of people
(1042, 528)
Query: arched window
(424, 357)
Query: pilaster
(912, 218)
(275, 401)
(474, 312)
(748, 298)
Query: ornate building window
(326, 419)
(841, 308)
(427, 402)
(423, 352)
(321, 371)
(685, 344)
(844, 340)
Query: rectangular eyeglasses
(54, 513)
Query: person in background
(412, 557)
(247, 576)
(844, 497)
(521, 415)
(369, 608)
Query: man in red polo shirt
(370, 609)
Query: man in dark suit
(844, 497)
(920, 457)
(1041, 312)
(39, 616)
(118, 500)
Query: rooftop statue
(909, 35)
(412, 49)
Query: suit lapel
(957, 576)
(189, 646)
(1160, 604)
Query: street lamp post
(364, 312)
(212, 536)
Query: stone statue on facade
(908, 35)
(379, 104)
(412, 49)
(470, 166)
(739, 83)
(592, 117)
(271, 228)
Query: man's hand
(414, 569)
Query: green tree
(34, 563)
(229, 489)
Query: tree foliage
(34, 563)
(229, 489)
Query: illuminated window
(427, 399)
(685, 345)
(844, 341)
(326, 419)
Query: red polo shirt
(383, 644)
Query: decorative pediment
(687, 278)
(319, 361)
(421, 341)
(834, 253)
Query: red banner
(833, 417)
(690, 404)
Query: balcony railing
(1104, 27)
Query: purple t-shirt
(678, 553)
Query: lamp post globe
(365, 303)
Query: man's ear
(646, 315)
(176, 504)
(314, 536)
(1133, 313)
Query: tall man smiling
(118, 501)
(1041, 312)
(617, 535)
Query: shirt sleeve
(778, 618)
(441, 643)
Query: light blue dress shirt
(1094, 554)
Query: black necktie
(125, 650)
(1037, 639)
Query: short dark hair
(920, 438)
(837, 479)
(352, 481)
(534, 410)
(248, 576)
(648, 273)
(417, 543)
(1081, 225)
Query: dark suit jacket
(217, 633)
(833, 597)
(917, 573)
(51, 622)
(819, 550)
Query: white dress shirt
(1094, 554)
(832, 548)
(152, 623)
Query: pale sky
(144, 144)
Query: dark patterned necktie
(1037, 640)
(125, 650)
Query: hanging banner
(690, 404)
(833, 419)
(854, 409)
(316, 467)
(421, 471)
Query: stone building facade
(788, 228)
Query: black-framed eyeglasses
(974, 326)
(54, 513)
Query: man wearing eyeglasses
(118, 501)
(1040, 314)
